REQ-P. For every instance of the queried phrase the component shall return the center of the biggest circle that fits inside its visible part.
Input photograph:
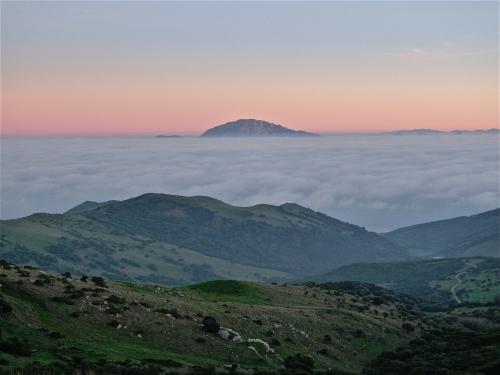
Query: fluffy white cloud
(380, 181)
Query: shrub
(5, 307)
(299, 362)
(359, 333)
(99, 281)
(55, 335)
(377, 301)
(64, 300)
(408, 327)
(115, 299)
(15, 346)
(323, 351)
(210, 325)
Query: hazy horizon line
(199, 134)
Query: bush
(359, 333)
(268, 333)
(323, 351)
(5, 307)
(377, 301)
(99, 281)
(55, 335)
(16, 347)
(408, 327)
(115, 299)
(64, 300)
(299, 362)
(210, 325)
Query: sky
(380, 182)
(108, 68)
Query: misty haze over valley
(381, 182)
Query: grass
(230, 291)
(256, 311)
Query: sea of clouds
(380, 182)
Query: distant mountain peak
(253, 128)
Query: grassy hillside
(467, 236)
(86, 323)
(178, 240)
(429, 280)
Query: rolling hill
(178, 240)
(436, 282)
(466, 236)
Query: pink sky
(167, 68)
(145, 105)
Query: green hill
(178, 240)
(429, 280)
(466, 236)
(68, 323)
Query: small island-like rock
(253, 128)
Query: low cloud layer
(380, 182)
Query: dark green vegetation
(431, 281)
(465, 236)
(443, 352)
(49, 320)
(167, 239)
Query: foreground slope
(476, 235)
(176, 240)
(52, 318)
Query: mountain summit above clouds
(253, 128)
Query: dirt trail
(454, 287)
(460, 281)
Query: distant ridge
(465, 236)
(417, 132)
(168, 136)
(253, 128)
(435, 132)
